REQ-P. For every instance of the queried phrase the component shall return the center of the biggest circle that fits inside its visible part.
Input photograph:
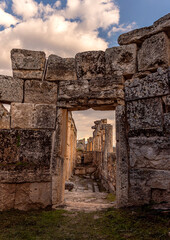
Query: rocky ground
(87, 195)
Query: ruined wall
(132, 78)
(71, 155)
(81, 145)
(102, 154)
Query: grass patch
(113, 224)
(111, 197)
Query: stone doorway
(120, 132)
(90, 173)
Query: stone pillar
(58, 157)
(122, 160)
(108, 145)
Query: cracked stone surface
(86, 196)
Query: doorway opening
(90, 159)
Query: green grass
(111, 197)
(113, 224)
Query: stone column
(58, 157)
(122, 160)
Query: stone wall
(102, 154)
(132, 78)
(71, 146)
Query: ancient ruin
(38, 134)
(98, 155)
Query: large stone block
(25, 196)
(153, 85)
(11, 90)
(7, 196)
(27, 60)
(144, 182)
(167, 122)
(33, 116)
(40, 92)
(60, 69)
(73, 89)
(26, 155)
(28, 74)
(145, 114)
(154, 52)
(90, 65)
(105, 88)
(150, 153)
(139, 35)
(28, 64)
(4, 118)
(122, 158)
(166, 101)
(121, 60)
(33, 196)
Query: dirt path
(86, 196)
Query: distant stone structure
(100, 152)
(133, 79)
(81, 144)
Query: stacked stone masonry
(100, 147)
(133, 79)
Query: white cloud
(25, 8)
(3, 5)
(57, 4)
(6, 19)
(46, 28)
(122, 28)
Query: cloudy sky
(65, 27)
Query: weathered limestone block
(40, 92)
(22, 115)
(105, 88)
(30, 116)
(73, 89)
(25, 196)
(84, 104)
(166, 101)
(122, 159)
(58, 157)
(28, 74)
(60, 69)
(24, 172)
(150, 153)
(7, 196)
(33, 196)
(90, 65)
(25, 154)
(167, 122)
(153, 85)
(45, 116)
(4, 118)
(121, 60)
(144, 182)
(28, 64)
(11, 89)
(139, 35)
(154, 52)
(145, 114)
